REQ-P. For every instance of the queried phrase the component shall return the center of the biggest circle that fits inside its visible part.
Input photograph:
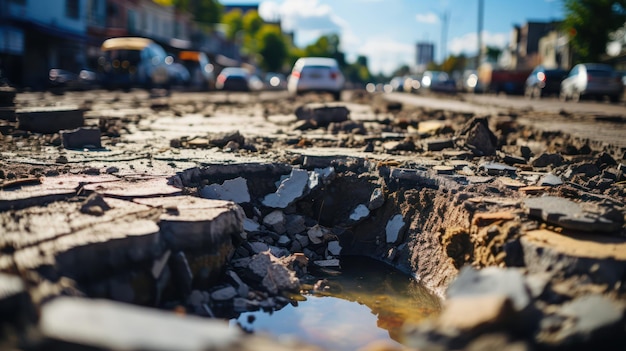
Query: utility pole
(479, 56)
(444, 35)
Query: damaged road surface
(146, 222)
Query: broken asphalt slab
(569, 214)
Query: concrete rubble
(524, 244)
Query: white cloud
(468, 43)
(386, 55)
(429, 18)
(309, 19)
(302, 15)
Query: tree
(493, 53)
(454, 63)
(589, 24)
(402, 71)
(272, 47)
(251, 24)
(234, 24)
(324, 46)
(208, 12)
(358, 72)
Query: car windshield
(132, 56)
(600, 72)
(555, 73)
(239, 72)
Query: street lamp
(480, 33)
(444, 34)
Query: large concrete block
(602, 258)
(197, 224)
(50, 120)
(108, 325)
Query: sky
(386, 31)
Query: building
(38, 35)
(425, 54)
(554, 50)
(523, 51)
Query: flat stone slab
(431, 126)
(95, 250)
(438, 144)
(15, 302)
(473, 313)
(75, 243)
(491, 281)
(28, 227)
(111, 325)
(589, 317)
(84, 137)
(601, 257)
(48, 189)
(290, 189)
(579, 245)
(494, 168)
(568, 214)
(140, 188)
(323, 114)
(193, 223)
(50, 119)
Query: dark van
(132, 62)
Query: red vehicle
(502, 80)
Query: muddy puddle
(363, 302)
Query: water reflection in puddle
(368, 301)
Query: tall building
(425, 54)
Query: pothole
(301, 224)
(366, 301)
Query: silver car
(592, 80)
(316, 74)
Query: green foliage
(433, 66)
(252, 22)
(493, 53)
(325, 46)
(454, 63)
(589, 24)
(208, 12)
(234, 24)
(402, 71)
(358, 72)
(272, 47)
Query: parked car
(233, 79)
(468, 82)
(397, 83)
(67, 80)
(544, 82)
(492, 79)
(255, 83)
(316, 74)
(178, 74)
(133, 62)
(592, 80)
(438, 81)
(275, 81)
(200, 69)
(412, 84)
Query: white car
(316, 74)
(592, 79)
